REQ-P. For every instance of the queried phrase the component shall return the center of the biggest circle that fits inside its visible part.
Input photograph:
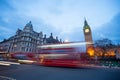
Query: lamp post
(8, 52)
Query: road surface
(37, 72)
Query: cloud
(62, 17)
(109, 30)
(5, 31)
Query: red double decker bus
(65, 54)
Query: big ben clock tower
(88, 39)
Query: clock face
(87, 30)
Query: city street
(60, 40)
(37, 72)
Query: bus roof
(64, 45)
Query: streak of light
(64, 45)
(27, 61)
(6, 62)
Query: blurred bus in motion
(65, 54)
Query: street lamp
(66, 40)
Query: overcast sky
(64, 18)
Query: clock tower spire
(88, 38)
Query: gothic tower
(88, 38)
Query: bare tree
(102, 46)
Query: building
(117, 53)
(26, 40)
(88, 38)
(3, 52)
(51, 39)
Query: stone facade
(26, 40)
(88, 39)
(51, 39)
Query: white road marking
(8, 78)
